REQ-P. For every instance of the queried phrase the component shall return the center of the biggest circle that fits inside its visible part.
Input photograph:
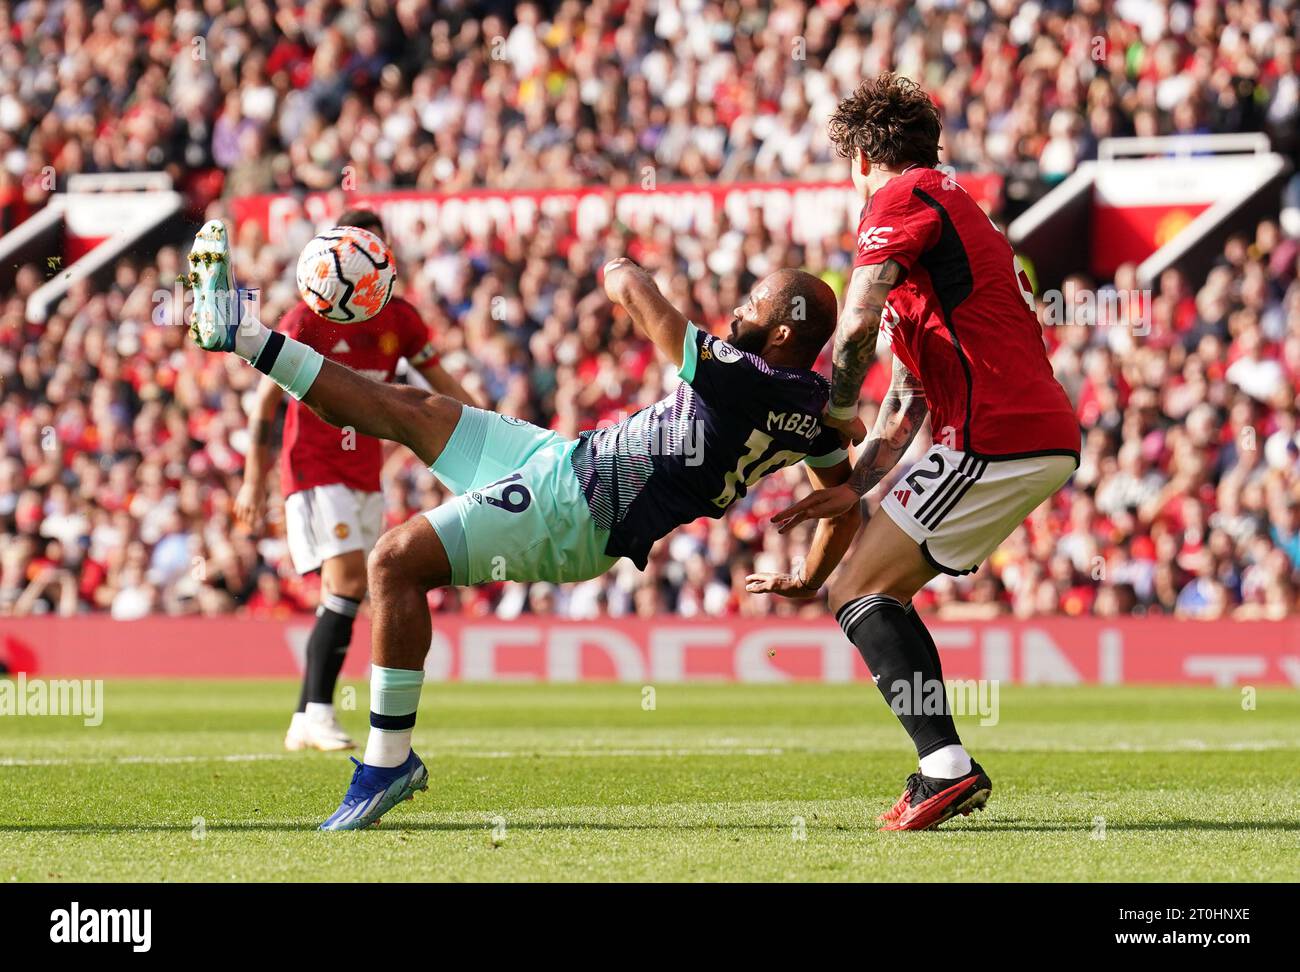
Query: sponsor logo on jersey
(902, 495)
(873, 238)
(725, 353)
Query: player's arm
(633, 289)
(901, 415)
(250, 502)
(444, 383)
(829, 543)
(855, 343)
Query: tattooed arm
(855, 343)
(899, 418)
(901, 414)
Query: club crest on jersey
(341, 530)
(873, 238)
(902, 495)
(725, 353)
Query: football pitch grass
(187, 781)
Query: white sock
(320, 711)
(250, 338)
(947, 763)
(394, 698)
(387, 747)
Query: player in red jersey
(330, 479)
(967, 347)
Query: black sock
(326, 648)
(936, 666)
(904, 662)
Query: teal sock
(290, 364)
(394, 697)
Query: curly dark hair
(366, 219)
(891, 121)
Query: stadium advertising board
(807, 210)
(1050, 651)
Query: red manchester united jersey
(963, 323)
(316, 453)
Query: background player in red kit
(330, 479)
(969, 349)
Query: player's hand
(822, 504)
(775, 582)
(613, 273)
(250, 505)
(851, 430)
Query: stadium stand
(122, 447)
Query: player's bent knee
(409, 555)
(389, 560)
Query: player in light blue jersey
(533, 506)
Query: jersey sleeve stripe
(690, 353)
(830, 459)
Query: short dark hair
(366, 219)
(808, 304)
(891, 121)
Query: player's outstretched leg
(405, 565)
(871, 598)
(223, 318)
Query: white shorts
(326, 521)
(959, 508)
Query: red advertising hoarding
(806, 210)
(1058, 651)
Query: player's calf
(405, 565)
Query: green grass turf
(581, 783)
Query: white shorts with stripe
(959, 507)
(327, 521)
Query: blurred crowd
(122, 446)
(239, 98)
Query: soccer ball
(346, 274)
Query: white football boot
(323, 734)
